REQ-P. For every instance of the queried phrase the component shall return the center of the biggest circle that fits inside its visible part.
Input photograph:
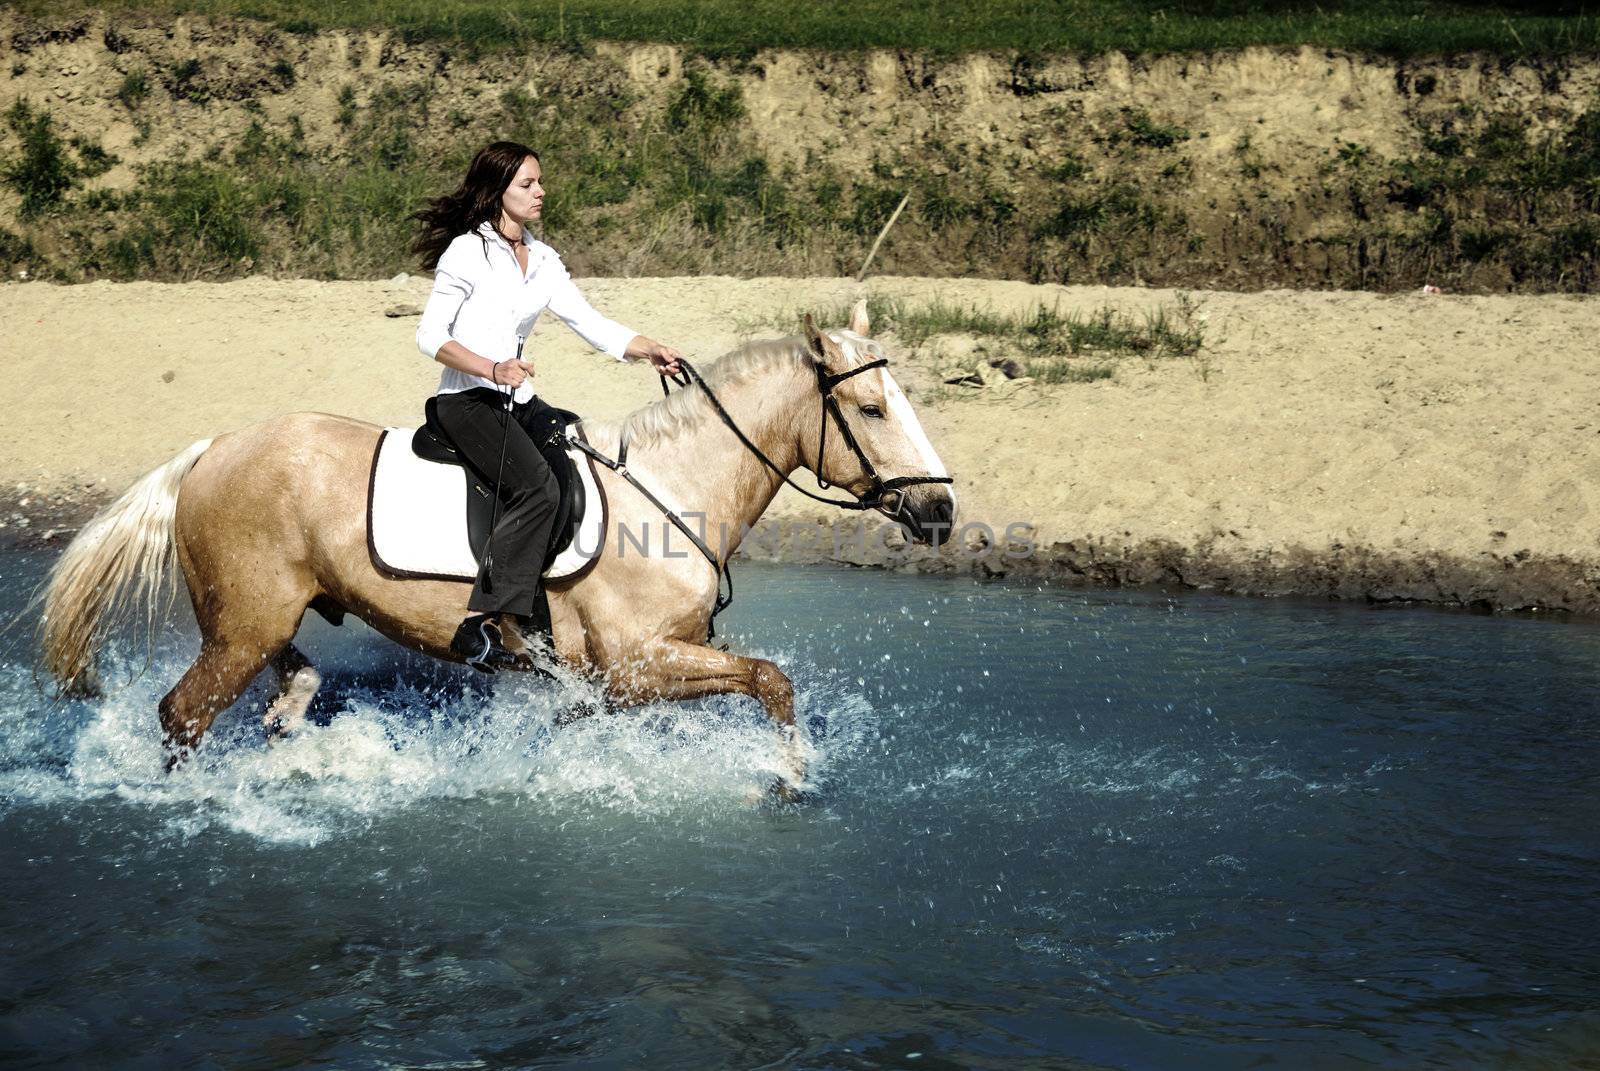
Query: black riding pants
(477, 423)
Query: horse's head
(869, 440)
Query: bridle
(879, 490)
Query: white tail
(124, 557)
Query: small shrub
(15, 251)
(383, 130)
(1146, 132)
(1244, 150)
(283, 71)
(1353, 155)
(187, 81)
(517, 102)
(1075, 216)
(93, 160)
(134, 89)
(1069, 169)
(699, 105)
(43, 174)
(131, 254)
(1480, 243)
(102, 201)
(827, 193)
(872, 204)
(939, 206)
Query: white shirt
(482, 299)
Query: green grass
(1045, 344)
(1488, 191)
(267, 202)
(1168, 331)
(1431, 27)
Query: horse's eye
(872, 411)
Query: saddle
(547, 427)
(429, 513)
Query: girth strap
(620, 467)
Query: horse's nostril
(937, 517)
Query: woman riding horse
(492, 279)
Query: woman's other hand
(511, 373)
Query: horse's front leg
(674, 669)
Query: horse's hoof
(578, 712)
(789, 794)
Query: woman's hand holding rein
(664, 358)
(510, 373)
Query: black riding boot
(492, 642)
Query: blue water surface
(1051, 829)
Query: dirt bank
(1437, 448)
(195, 148)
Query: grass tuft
(283, 71)
(1147, 133)
(1045, 344)
(186, 81)
(134, 89)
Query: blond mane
(685, 410)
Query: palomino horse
(271, 519)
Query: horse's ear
(859, 323)
(823, 348)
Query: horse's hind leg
(298, 681)
(233, 649)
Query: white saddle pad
(417, 516)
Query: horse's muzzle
(929, 513)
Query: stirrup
(479, 643)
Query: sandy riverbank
(1438, 448)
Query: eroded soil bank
(193, 148)
(1384, 447)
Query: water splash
(383, 745)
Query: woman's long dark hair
(475, 203)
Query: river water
(1051, 829)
